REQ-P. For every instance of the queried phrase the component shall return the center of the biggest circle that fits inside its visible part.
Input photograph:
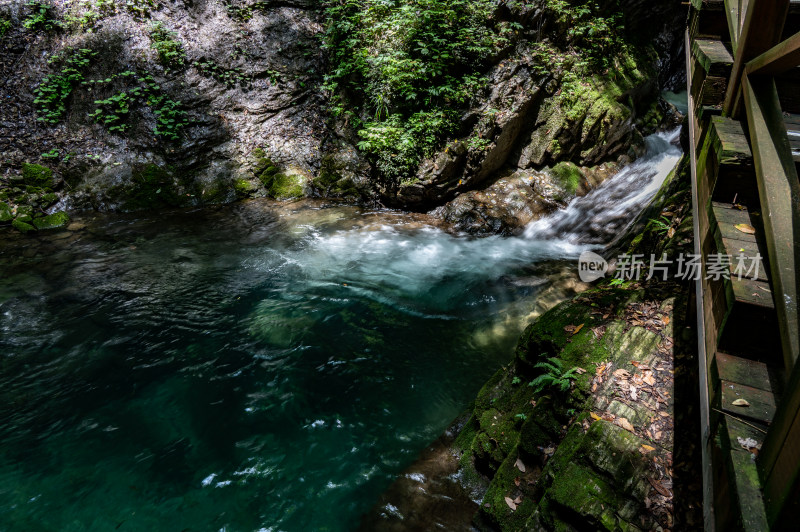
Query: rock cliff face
(148, 104)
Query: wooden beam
(782, 449)
(762, 27)
(709, 518)
(732, 14)
(777, 59)
(779, 193)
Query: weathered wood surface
(740, 370)
(778, 59)
(756, 37)
(779, 192)
(780, 459)
(731, 176)
(761, 402)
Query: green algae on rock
(56, 220)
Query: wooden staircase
(744, 99)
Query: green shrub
(54, 90)
(5, 25)
(410, 65)
(169, 49)
(40, 17)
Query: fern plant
(554, 376)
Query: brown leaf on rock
(577, 329)
(520, 465)
(511, 504)
(624, 423)
(517, 481)
(518, 500)
(740, 402)
(580, 371)
(622, 373)
(648, 379)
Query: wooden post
(779, 193)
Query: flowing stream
(261, 366)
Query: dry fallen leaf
(624, 373)
(659, 488)
(746, 228)
(580, 371)
(511, 504)
(520, 465)
(644, 449)
(518, 500)
(577, 329)
(517, 481)
(740, 402)
(649, 380)
(624, 423)
(594, 416)
(666, 320)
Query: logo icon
(591, 266)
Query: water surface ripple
(256, 366)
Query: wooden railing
(756, 27)
(759, 57)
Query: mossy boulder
(22, 227)
(52, 221)
(244, 188)
(36, 175)
(286, 185)
(5, 212)
(568, 177)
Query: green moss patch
(36, 175)
(52, 221)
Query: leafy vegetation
(169, 49)
(588, 27)
(86, 14)
(53, 92)
(139, 8)
(554, 376)
(5, 25)
(229, 76)
(409, 65)
(41, 17)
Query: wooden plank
(751, 504)
(732, 175)
(777, 59)
(779, 460)
(757, 36)
(762, 402)
(779, 192)
(752, 292)
(714, 56)
(743, 371)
